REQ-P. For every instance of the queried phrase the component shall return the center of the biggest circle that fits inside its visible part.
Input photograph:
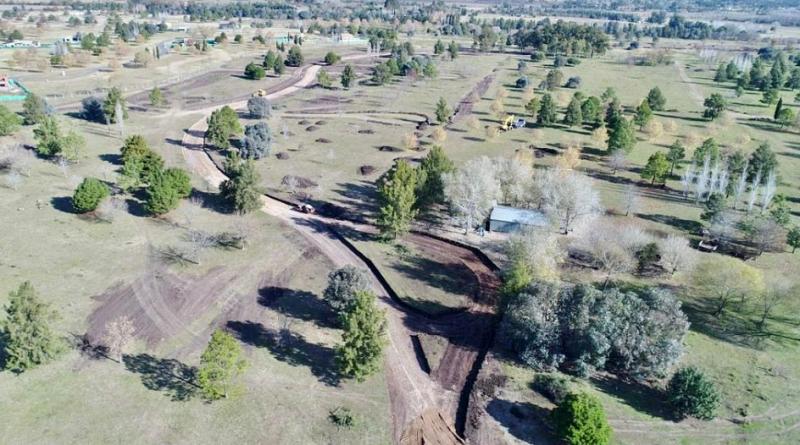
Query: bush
(342, 417)
(259, 107)
(522, 82)
(537, 56)
(88, 195)
(332, 58)
(179, 180)
(342, 287)
(691, 393)
(254, 72)
(295, 56)
(559, 61)
(580, 420)
(573, 61)
(256, 142)
(574, 82)
(552, 386)
(92, 110)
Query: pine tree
(220, 366)
(398, 199)
(442, 111)
(241, 189)
(656, 99)
(580, 420)
(573, 115)
(778, 109)
(621, 135)
(452, 48)
(547, 111)
(438, 47)
(430, 188)
(363, 338)
(156, 97)
(348, 76)
(26, 334)
(675, 154)
(643, 114)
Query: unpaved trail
(424, 407)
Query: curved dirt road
(416, 398)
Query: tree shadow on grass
(62, 203)
(686, 225)
(454, 278)
(111, 158)
(525, 421)
(290, 348)
(170, 376)
(639, 396)
(297, 304)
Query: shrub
(179, 180)
(162, 196)
(88, 195)
(574, 82)
(342, 417)
(537, 56)
(580, 420)
(573, 61)
(259, 107)
(692, 394)
(331, 58)
(552, 386)
(254, 72)
(522, 82)
(256, 142)
(343, 284)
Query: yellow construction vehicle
(260, 93)
(511, 122)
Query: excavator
(511, 122)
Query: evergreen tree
(656, 99)
(241, 190)
(713, 208)
(656, 168)
(532, 107)
(721, 74)
(397, 199)
(279, 67)
(592, 111)
(221, 364)
(580, 420)
(348, 76)
(363, 338)
(26, 335)
(294, 57)
(156, 97)
(643, 114)
(692, 394)
(452, 48)
(621, 135)
(573, 115)
(547, 111)
(778, 109)
(222, 125)
(438, 47)
(269, 60)
(793, 238)
(254, 72)
(162, 196)
(715, 105)
(675, 154)
(35, 109)
(88, 195)
(443, 112)
(762, 160)
(430, 187)
(113, 101)
(9, 122)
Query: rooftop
(521, 216)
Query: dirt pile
(430, 428)
(299, 181)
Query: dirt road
(424, 407)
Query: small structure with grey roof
(510, 219)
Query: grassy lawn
(424, 282)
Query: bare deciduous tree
(630, 198)
(118, 334)
(617, 161)
(538, 250)
(676, 254)
(570, 199)
(13, 180)
(514, 179)
(471, 192)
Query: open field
(329, 147)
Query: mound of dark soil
(323, 141)
(366, 131)
(312, 128)
(282, 155)
(300, 182)
(389, 148)
(303, 122)
(320, 123)
(366, 169)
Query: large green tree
(222, 125)
(643, 114)
(430, 187)
(34, 109)
(363, 338)
(675, 154)
(621, 135)
(574, 115)
(114, 102)
(221, 364)
(715, 105)
(397, 190)
(241, 189)
(656, 99)
(443, 111)
(348, 76)
(26, 333)
(657, 168)
(547, 111)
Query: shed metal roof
(521, 216)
